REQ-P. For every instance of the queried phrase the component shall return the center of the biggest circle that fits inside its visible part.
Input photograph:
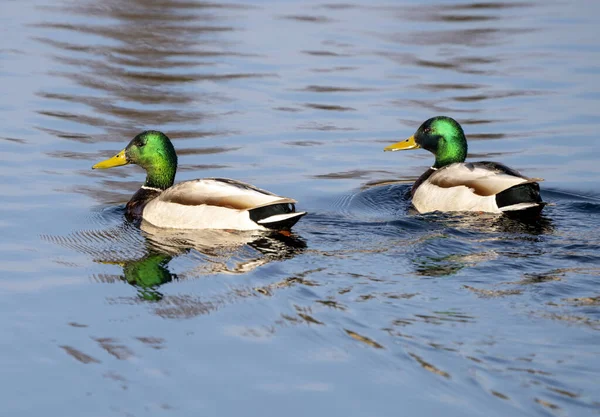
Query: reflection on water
(520, 225)
(145, 257)
(372, 306)
(148, 273)
(156, 49)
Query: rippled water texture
(368, 309)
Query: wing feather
(483, 178)
(220, 192)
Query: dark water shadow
(469, 239)
(492, 223)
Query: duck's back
(220, 192)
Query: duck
(453, 185)
(207, 203)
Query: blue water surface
(368, 309)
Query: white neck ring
(145, 187)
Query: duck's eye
(427, 130)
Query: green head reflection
(148, 274)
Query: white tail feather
(519, 206)
(279, 217)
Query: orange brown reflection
(454, 40)
(125, 66)
(149, 57)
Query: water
(368, 309)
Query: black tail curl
(261, 213)
(522, 193)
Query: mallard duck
(208, 203)
(452, 184)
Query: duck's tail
(521, 198)
(282, 221)
(278, 216)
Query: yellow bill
(403, 145)
(116, 161)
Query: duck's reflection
(144, 254)
(517, 226)
(221, 251)
(492, 234)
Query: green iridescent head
(153, 151)
(440, 135)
